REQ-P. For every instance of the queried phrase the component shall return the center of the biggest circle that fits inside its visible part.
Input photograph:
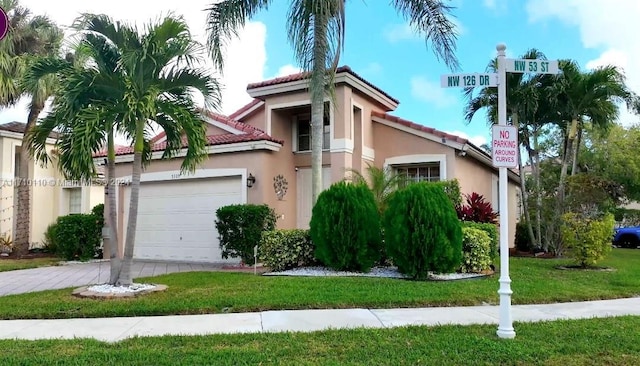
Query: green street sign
(532, 66)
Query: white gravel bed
(386, 272)
(111, 289)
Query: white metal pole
(505, 327)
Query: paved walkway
(81, 274)
(117, 329)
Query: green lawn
(15, 264)
(611, 341)
(533, 281)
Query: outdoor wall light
(250, 180)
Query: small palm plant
(381, 181)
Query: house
(261, 154)
(52, 196)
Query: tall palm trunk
(23, 209)
(125, 273)
(576, 148)
(571, 135)
(112, 225)
(523, 188)
(317, 109)
(535, 169)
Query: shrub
(522, 239)
(477, 209)
(476, 250)
(422, 232)
(588, 239)
(240, 229)
(345, 227)
(452, 190)
(77, 236)
(492, 231)
(98, 211)
(49, 243)
(285, 249)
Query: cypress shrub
(345, 227)
(422, 231)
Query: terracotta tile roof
(304, 75)
(18, 127)
(249, 134)
(245, 108)
(418, 127)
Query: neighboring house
(51, 195)
(261, 154)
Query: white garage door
(176, 219)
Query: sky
(381, 47)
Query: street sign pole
(505, 326)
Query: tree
(523, 94)
(316, 31)
(381, 182)
(88, 74)
(579, 96)
(28, 38)
(156, 80)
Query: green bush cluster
(285, 249)
(492, 231)
(77, 236)
(240, 229)
(422, 231)
(588, 239)
(476, 250)
(345, 227)
(523, 240)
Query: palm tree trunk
(523, 188)
(571, 135)
(112, 226)
(317, 109)
(535, 169)
(125, 273)
(23, 210)
(576, 148)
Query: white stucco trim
(173, 175)
(248, 111)
(413, 131)
(420, 158)
(343, 77)
(342, 145)
(18, 136)
(368, 153)
(216, 149)
(270, 108)
(222, 126)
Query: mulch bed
(543, 255)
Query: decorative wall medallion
(280, 186)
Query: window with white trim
(303, 129)
(75, 200)
(424, 172)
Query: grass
(612, 341)
(15, 264)
(533, 281)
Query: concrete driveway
(76, 275)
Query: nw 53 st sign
(504, 146)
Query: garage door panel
(176, 219)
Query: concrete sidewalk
(117, 329)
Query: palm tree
(154, 81)
(28, 38)
(382, 182)
(316, 30)
(90, 74)
(523, 99)
(578, 95)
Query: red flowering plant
(477, 209)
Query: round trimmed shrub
(422, 231)
(345, 227)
